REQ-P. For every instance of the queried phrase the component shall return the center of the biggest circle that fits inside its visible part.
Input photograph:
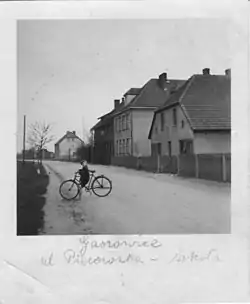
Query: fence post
(139, 162)
(196, 166)
(158, 163)
(224, 168)
(178, 164)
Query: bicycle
(73, 187)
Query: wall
(187, 165)
(124, 161)
(67, 144)
(104, 143)
(210, 167)
(123, 134)
(212, 143)
(105, 132)
(142, 120)
(171, 133)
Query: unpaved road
(140, 203)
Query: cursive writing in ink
(47, 261)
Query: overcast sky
(70, 72)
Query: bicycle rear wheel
(101, 186)
(69, 189)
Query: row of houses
(167, 117)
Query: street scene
(123, 135)
(140, 203)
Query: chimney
(163, 80)
(74, 132)
(206, 71)
(228, 72)
(116, 103)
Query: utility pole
(24, 134)
(83, 130)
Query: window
(120, 147)
(186, 146)
(123, 122)
(127, 123)
(129, 145)
(124, 146)
(162, 121)
(182, 124)
(174, 117)
(117, 124)
(120, 123)
(117, 148)
(169, 149)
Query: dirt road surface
(140, 203)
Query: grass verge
(31, 186)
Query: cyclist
(84, 173)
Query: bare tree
(39, 136)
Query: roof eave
(151, 127)
(167, 107)
(201, 130)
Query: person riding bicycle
(84, 173)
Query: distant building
(66, 147)
(196, 118)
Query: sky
(70, 71)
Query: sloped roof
(68, 135)
(104, 119)
(152, 95)
(206, 101)
(133, 91)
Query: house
(196, 118)
(133, 119)
(103, 133)
(66, 147)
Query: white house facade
(67, 146)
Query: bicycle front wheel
(101, 186)
(69, 189)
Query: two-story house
(196, 118)
(103, 133)
(133, 120)
(66, 147)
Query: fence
(215, 167)
(125, 161)
(210, 167)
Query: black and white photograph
(124, 127)
(125, 152)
